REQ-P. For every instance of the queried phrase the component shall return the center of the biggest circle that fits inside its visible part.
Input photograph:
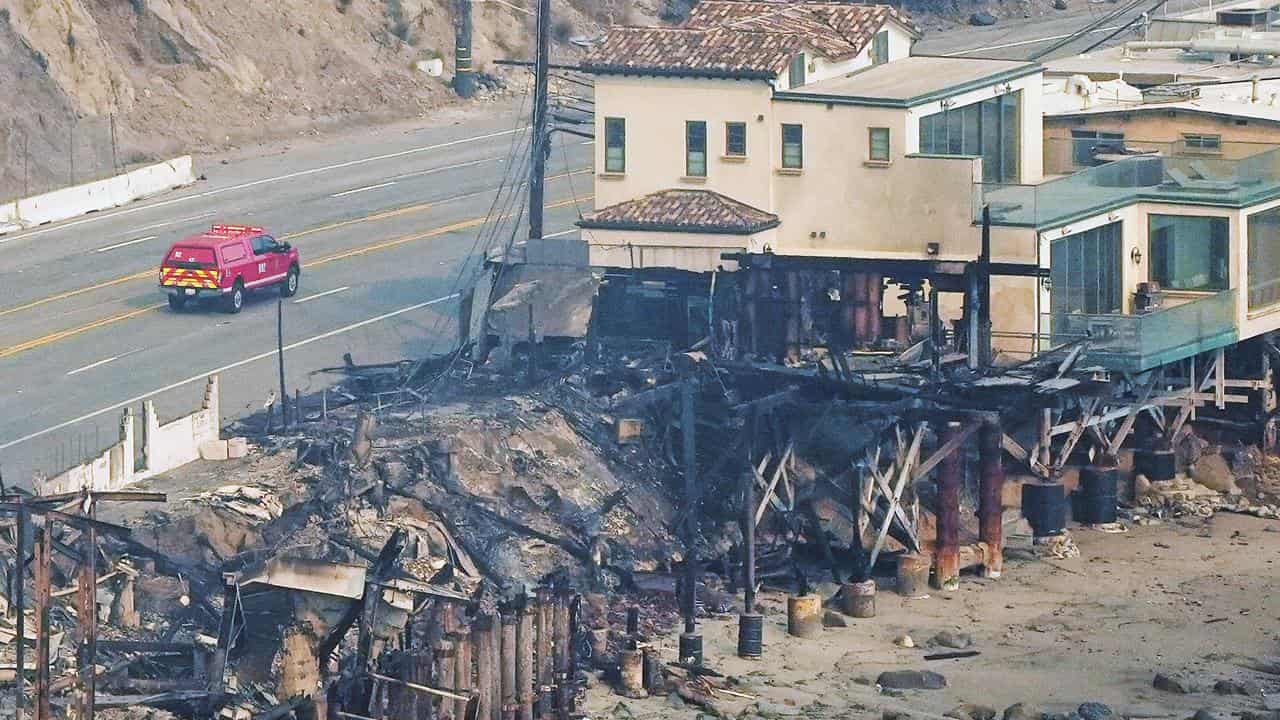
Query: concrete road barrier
(96, 196)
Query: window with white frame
(1200, 142)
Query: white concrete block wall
(99, 195)
(167, 447)
(177, 443)
(111, 470)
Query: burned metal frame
(46, 509)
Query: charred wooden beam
(990, 494)
(87, 621)
(20, 607)
(42, 571)
(950, 479)
(525, 671)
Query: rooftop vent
(1254, 18)
(1170, 93)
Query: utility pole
(464, 78)
(71, 153)
(690, 640)
(115, 157)
(540, 136)
(284, 394)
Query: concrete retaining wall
(95, 196)
(165, 447)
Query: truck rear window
(194, 258)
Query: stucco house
(819, 156)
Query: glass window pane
(1189, 253)
(991, 140)
(971, 123)
(695, 132)
(955, 132)
(880, 48)
(735, 138)
(879, 142)
(797, 70)
(1264, 259)
(928, 130)
(1010, 144)
(1084, 272)
(615, 145)
(792, 146)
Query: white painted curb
(95, 196)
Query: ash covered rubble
(426, 541)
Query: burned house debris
(736, 415)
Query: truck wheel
(235, 299)
(290, 285)
(177, 302)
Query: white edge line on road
(446, 168)
(263, 181)
(309, 298)
(100, 363)
(167, 223)
(366, 188)
(224, 368)
(91, 366)
(126, 243)
(1020, 43)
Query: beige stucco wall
(839, 204)
(865, 209)
(1161, 130)
(656, 109)
(698, 252)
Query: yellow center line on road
(355, 252)
(384, 215)
(64, 334)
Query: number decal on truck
(262, 267)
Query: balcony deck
(1136, 343)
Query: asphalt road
(384, 221)
(1019, 39)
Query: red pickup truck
(225, 262)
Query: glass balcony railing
(1134, 343)
(1155, 178)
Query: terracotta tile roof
(837, 30)
(700, 211)
(694, 52)
(751, 37)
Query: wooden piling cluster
(516, 664)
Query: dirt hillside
(202, 75)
